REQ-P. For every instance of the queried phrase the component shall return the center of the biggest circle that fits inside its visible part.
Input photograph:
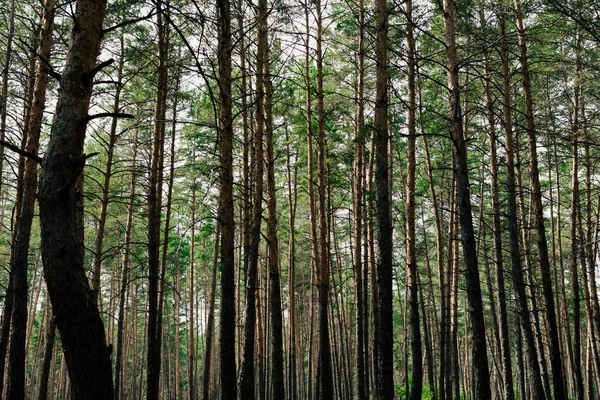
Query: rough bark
(384, 327)
(76, 312)
(481, 376)
(227, 371)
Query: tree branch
(21, 152)
(128, 22)
(108, 114)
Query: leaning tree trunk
(502, 317)
(21, 238)
(110, 151)
(481, 375)
(536, 200)
(513, 230)
(76, 311)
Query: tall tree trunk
(167, 224)
(110, 150)
(513, 229)
(357, 203)
(324, 384)
(536, 199)
(22, 234)
(314, 238)
(119, 373)
(4, 92)
(502, 315)
(481, 377)
(292, 179)
(49, 337)
(77, 317)
(411, 250)
(384, 338)
(154, 213)
(278, 389)
(227, 371)
(247, 371)
(573, 242)
(208, 344)
(193, 305)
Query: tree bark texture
(384, 338)
(227, 371)
(76, 311)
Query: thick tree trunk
(77, 317)
(481, 377)
(384, 338)
(227, 371)
(536, 199)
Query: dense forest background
(304, 200)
